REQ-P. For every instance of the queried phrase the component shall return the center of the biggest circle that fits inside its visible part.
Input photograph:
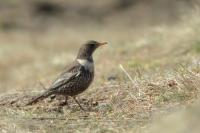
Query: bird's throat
(88, 65)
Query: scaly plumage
(77, 77)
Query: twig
(122, 68)
(47, 118)
(131, 79)
(120, 65)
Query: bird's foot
(79, 104)
(64, 104)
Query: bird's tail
(40, 97)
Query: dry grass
(162, 62)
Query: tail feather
(40, 97)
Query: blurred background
(38, 34)
(43, 15)
(150, 38)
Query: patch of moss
(171, 97)
(196, 46)
(144, 64)
(7, 25)
(135, 64)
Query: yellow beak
(102, 43)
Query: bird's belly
(78, 84)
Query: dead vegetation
(159, 73)
(107, 106)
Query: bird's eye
(92, 45)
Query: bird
(76, 77)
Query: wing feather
(67, 76)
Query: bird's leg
(66, 101)
(78, 103)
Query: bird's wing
(72, 71)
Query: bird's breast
(81, 82)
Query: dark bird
(76, 78)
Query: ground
(143, 74)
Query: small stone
(172, 83)
(112, 78)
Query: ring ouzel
(76, 78)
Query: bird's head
(88, 49)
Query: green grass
(196, 47)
